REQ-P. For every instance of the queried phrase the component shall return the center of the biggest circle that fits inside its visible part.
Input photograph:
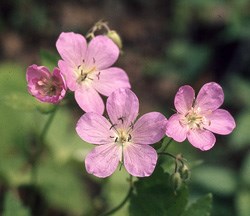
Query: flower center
(84, 74)
(48, 86)
(194, 119)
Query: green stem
(39, 145)
(167, 145)
(123, 202)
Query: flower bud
(176, 181)
(115, 37)
(43, 85)
(184, 172)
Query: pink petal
(175, 129)
(202, 139)
(102, 52)
(95, 129)
(89, 99)
(210, 97)
(140, 160)
(221, 122)
(103, 160)
(184, 99)
(149, 129)
(72, 48)
(122, 107)
(69, 75)
(111, 79)
(35, 71)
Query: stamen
(98, 75)
(121, 119)
(129, 137)
(112, 126)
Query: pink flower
(87, 69)
(123, 140)
(196, 119)
(45, 86)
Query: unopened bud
(184, 172)
(115, 37)
(176, 181)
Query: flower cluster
(86, 69)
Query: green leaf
(242, 202)
(14, 207)
(240, 137)
(155, 196)
(202, 207)
(49, 59)
(61, 187)
(20, 101)
(215, 179)
(245, 171)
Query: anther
(129, 137)
(121, 119)
(112, 126)
(98, 75)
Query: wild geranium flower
(196, 119)
(43, 85)
(121, 140)
(87, 69)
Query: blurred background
(166, 44)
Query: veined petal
(72, 48)
(69, 75)
(221, 122)
(102, 52)
(140, 160)
(95, 129)
(175, 130)
(111, 79)
(210, 97)
(122, 107)
(103, 160)
(34, 71)
(89, 99)
(184, 99)
(149, 129)
(202, 139)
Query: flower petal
(95, 129)
(72, 48)
(111, 79)
(69, 75)
(34, 71)
(175, 130)
(184, 98)
(149, 129)
(103, 160)
(221, 122)
(202, 139)
(89, 100)
(102, 52)
(210, 97)
(122, 107)
(140, 160)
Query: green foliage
(13, 206)
(242, 202)
(219, 180)
(155, 196)
(202, 207)
(61, 187)
(49, 59)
